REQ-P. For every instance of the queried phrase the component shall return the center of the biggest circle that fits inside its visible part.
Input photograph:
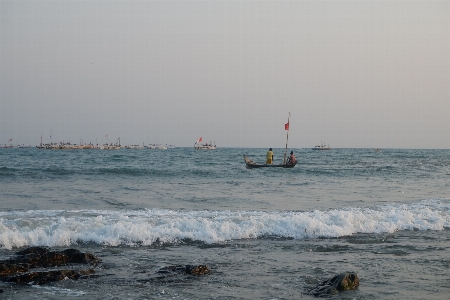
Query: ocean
(270, 233)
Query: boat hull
(204, 147)
(249, 164)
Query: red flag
(286, 126)
(199, 140)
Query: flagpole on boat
(286, 126)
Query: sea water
(268, 233)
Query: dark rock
(35, 257)
(16, 269)
(341, 282)
(198, 270)
(49, 276)
(174, 274)
(187, 269)
(44, 277)
(10, 269)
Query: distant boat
(322, 147)
(110, 147)
(156, 146)
(134, 147)
(377, 150)
(87, 146)
(206, 146)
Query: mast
(286, 126)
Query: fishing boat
(206, 146)
(250, 164)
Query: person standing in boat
(269, 159)
(291, 159)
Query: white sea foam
(65, 228)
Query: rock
(16, 269)
(187, 269)
(35, 257)
(341, 282)
(43, 277)
(198, 270)
(173, 274)
(49, 276)
(10, 269)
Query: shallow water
(266, 233)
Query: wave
(147, 227)
(61, 172)
(7, 172)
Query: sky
(352, 74)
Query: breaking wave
(146, 227)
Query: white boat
(110, 147)
(205, 147)
(156, 146)
(134, 147)
(322, 147)
(199, 146)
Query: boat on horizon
(199, 146)
(156, 146)
(322, 147)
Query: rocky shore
(38, 266)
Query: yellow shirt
(269, 155)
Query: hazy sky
(351, 73)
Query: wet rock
(43, 277)
(16, 269)
(35, 257)
(187, 269)
(341, 282)
(174, 274)
(11, 269)
(198, 270)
